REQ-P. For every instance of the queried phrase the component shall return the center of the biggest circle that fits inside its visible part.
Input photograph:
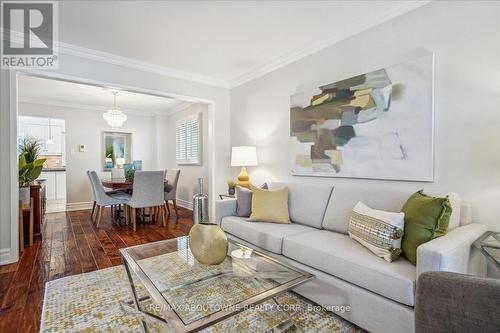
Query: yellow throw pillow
(269, 206)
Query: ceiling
(229, 41)
(81, 96)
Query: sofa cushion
(269, 205)
(268, 236)
(243, 201)
(340, 256)
(426, 218)
(389, 199)
(306, 203)
(377, 230)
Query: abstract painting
(377, 125)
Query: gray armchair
(451, 302)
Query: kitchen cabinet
(60, 185)
(50, 184)
(55, 184)
(43, 129)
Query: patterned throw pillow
(377, 230)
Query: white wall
(90, 69)
(465, 39)
(86, 127)
(188, 179)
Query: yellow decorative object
(243, 156)
(244, 178)
(270, 206)
(208, 243)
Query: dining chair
(93, 196)
(172, 177)
(147, 192)
(104, 199)
(92, 187)
(117, 173)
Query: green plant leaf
(39, 162)
(34, 173)
(22, 160)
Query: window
(188, 140)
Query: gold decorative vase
(208, 243)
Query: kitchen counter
(53, 169)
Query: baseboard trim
(185, 204)
(79, 205)
(88, 205)
(6, 256)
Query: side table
(22, 209)
(489, 245)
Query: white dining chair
(104, 199)
(147, 192)
(172, 177)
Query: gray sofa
(381, 295)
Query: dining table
(122, 183)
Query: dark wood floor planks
(71, 245)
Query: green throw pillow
(426, 218)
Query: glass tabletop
(191, 295)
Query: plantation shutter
(187, 137)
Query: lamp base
(244, 178)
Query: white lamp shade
(244, 156)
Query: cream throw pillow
(269, 206)
(380, 231)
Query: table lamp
(244, 156)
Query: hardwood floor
(71, 245)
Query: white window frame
(183, 124)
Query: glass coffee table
(191, 296)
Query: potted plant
(30, 166)
(231, 187)
(129, 175)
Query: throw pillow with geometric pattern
(379, 231)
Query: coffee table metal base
(286, 326)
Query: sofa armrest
(224, 208)
(450, 252)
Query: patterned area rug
(97, 302)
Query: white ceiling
(54, 92)
(229, 41)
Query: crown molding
(52, 102)
(140, 65)
(300, 53)
(250, 75)
(177, 108)
(113, 59)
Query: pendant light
(114, 116)
(49, 140)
